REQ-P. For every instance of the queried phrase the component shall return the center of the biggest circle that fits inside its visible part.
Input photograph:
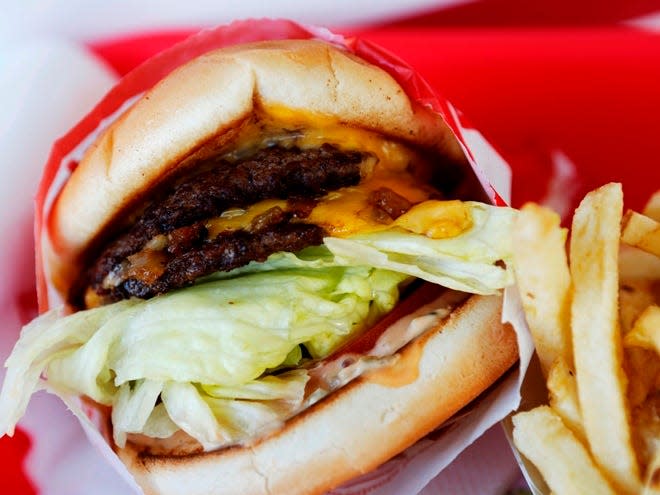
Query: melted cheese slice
(348, 210)
(340, 213)
(343, 212)
(241, 218)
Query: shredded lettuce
(43, 339)
(132, 407)
(212, 359)
(203, 351)
(159, 424)
(287, 386)
(473, 261)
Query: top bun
(202, 102)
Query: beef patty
(169, 245)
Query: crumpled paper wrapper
(410, 471)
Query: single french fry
(597, 345)
(642, 232)
(642, 355)
(541, 436)
(646, 330)
(652, 208)
(541, 268)
(563, 397)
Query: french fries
(646, 331)
(601, 430)
(642, 232)
(563, 397)
(540, 435)
(545, 287)
(642, 348)
(652, 208)
(594, 250)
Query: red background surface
(590, 92)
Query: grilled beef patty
(169, 246)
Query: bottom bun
(357, 428)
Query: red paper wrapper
(409, 472)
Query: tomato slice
(417, 298)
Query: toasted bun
(357, 428)
(202, 102)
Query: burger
(277, 271)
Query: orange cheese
(240, 218)
(348, 210)
(437, 219)
(343, 212)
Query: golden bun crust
(206, 99)
(357, 428)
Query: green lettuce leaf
(211, 359)
(132, 407)
(43, 339)
(203, 350)
(474, 261)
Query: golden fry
(544, 286)
(652, 208)
(602, 431)
(642, 355)
(541, 436)
(562, 390)
(597, 345)
(642, 232)
(646, 330)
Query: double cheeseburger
(277, 272)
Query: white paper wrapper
(412, 470)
